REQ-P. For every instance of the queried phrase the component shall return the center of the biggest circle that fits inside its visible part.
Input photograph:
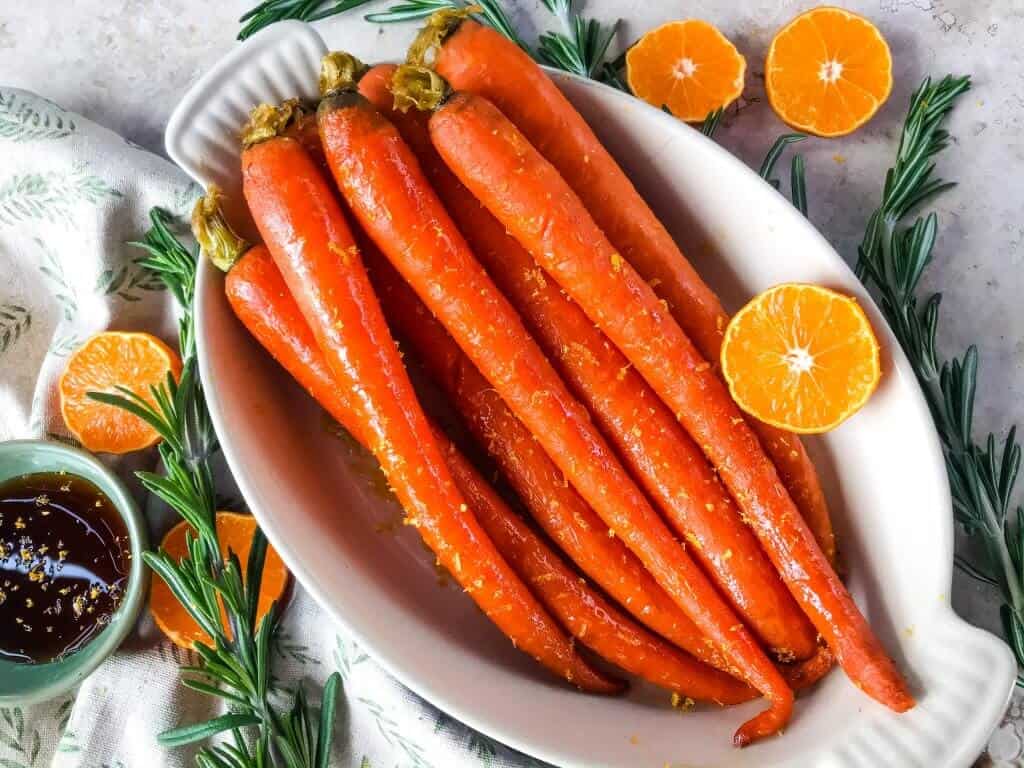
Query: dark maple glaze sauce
(65, 557)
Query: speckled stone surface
(125, 63)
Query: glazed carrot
(261, 300)
(306, 233)
(477, 59)
(485, 151)
(553, 502)
(386, 190)
(661, 456)
(588, 616)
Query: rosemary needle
(236, 667)
(982, 475)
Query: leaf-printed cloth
(72, 195)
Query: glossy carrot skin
(660, 454)
(306, 233)
(552, 501)
(260, 299)
(478, 60)
(393, 202)
(589, 617)
(485, 150)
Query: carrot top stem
(222, 245)
(269, 120)
(419, 88)
(438, 27)
(340, 71)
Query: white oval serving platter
(320, 503)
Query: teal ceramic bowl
(27, 683)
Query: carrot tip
(419, 88)
(340, 71)
(215, 236)
(438, 27)
(268, 120)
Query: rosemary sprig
(490, 13)
(982, 475)
(236, 668)
(710, 124)
(582, 48)
(797, 182)
(269, 11)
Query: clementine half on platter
(828, 72)
(801, 357)
(137, 361)
(688, 66)
(234, 531)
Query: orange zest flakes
(828, 72)
(234, 531)
(801, 357)
(687, 66)
(136, 361)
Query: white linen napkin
(72, 194)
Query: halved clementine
(234, 531)
(110, 359)
(688, 66)
(801, 357)
(828, 72)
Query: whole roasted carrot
(384, 186)
(539, 209)
(660, 454)
(261, 300)
(552, 501)
(588, 616)
(306, 233)
(476, 59)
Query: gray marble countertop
(125, 63)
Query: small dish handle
(202, 136)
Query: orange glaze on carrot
(383, 185)
(307, 235)
(660, 454)
(589, 617)
(476, 59)
(260, 298)
(527, 194)
(552, 501)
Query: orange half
(828, 72)
(688, 66)
(107, 360)
(801, 357)
(235, 531)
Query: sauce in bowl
(65, 557)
